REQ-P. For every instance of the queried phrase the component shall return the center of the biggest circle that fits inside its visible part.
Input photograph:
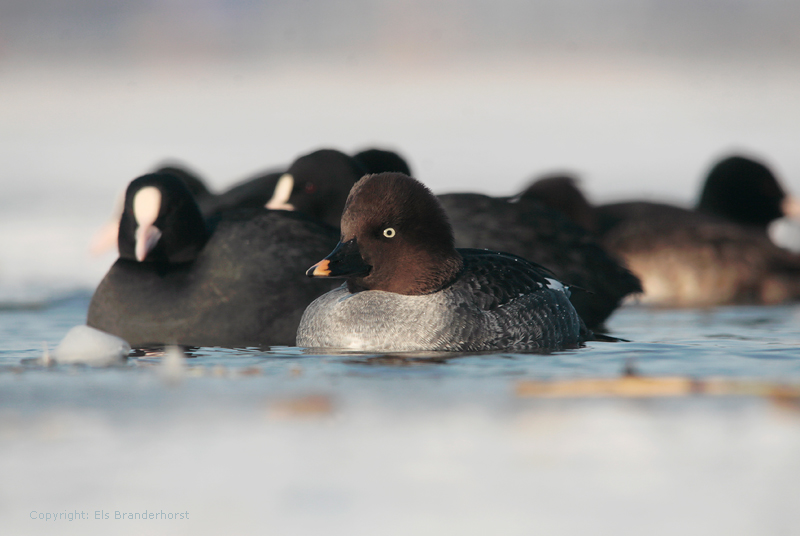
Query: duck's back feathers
(527, 307)
(499, 278)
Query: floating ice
(91, 346)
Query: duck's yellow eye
(388, 232)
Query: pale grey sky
(380, 30)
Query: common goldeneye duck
(518, 225)
(409, 289)
(180, 281)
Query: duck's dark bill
(344, 261)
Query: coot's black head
(160, 221)
(195, 184)
(561, 193)
(382, 161)
(395, 237)
(744, 191)
(317, 184)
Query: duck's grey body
(498, 302)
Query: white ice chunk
(91, 346)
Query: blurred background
(637, 97)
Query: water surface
(279, 440)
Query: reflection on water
(723, 341)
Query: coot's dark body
(244, 286)
(530, 230)
(714, 255)
(689, 258)
(251, 193)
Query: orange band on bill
(322, 269)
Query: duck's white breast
(377, 321)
